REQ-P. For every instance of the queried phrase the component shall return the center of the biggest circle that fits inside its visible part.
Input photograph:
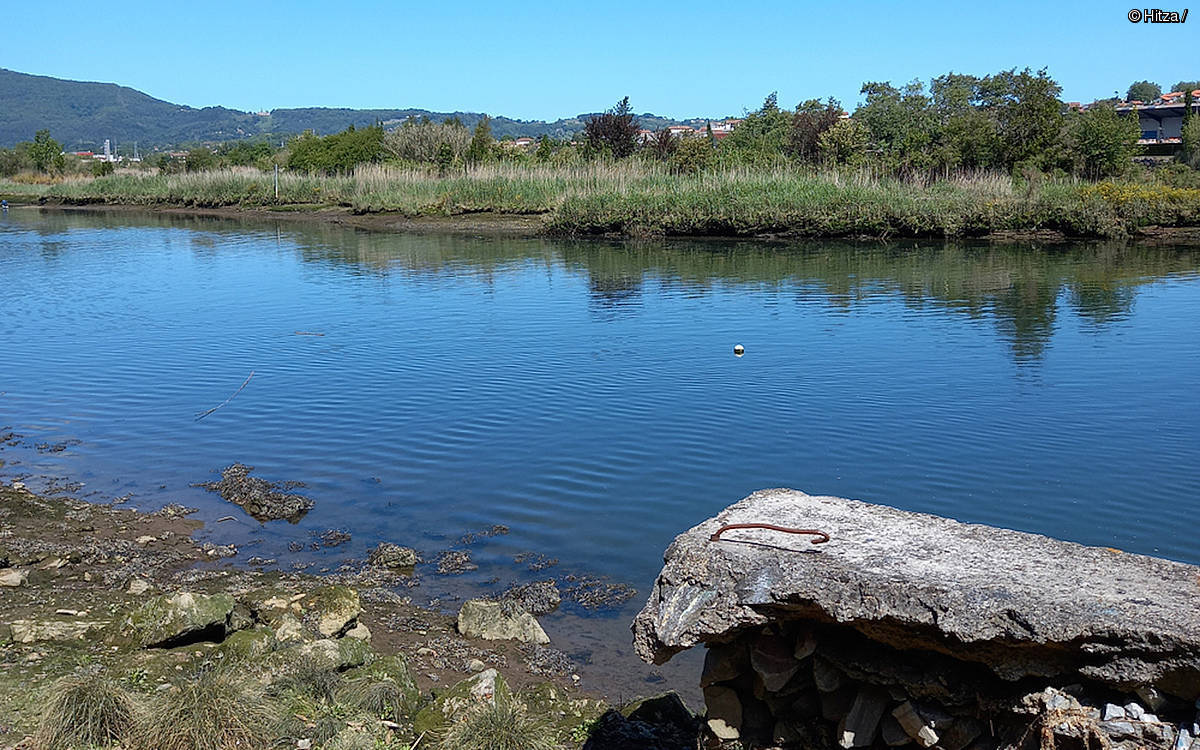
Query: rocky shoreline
(92, 589)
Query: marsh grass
(639, 198)
(383, 698)
(86, 710)
(503, 723)
(214, 710)
(310, 678)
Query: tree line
(1011, 121)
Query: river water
(586, 394)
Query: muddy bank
(477, 224)
(488, 223)
(89, 589)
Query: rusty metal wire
(822, 537)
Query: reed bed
(639, 198)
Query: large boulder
(175, 619)
(1020, 605)
(331, 610)
(662, 722)
(499, 621)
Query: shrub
(425, 141)
(339, 153)
(691, 155)
(86, 710)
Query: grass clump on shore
(503, 723)
(86, 710)
(212, 711)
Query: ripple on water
(586, 395)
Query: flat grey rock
(1022, 604)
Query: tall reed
(645, 198)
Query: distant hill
(81, 115)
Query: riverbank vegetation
(643, 199)
(965, 156)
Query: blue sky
(545, 60)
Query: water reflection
(1022, 288)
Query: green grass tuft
(382, 698)
(500, 724)
(84, 711)
(211, 711)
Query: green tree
(1102, 141)
(338, 153)
(10, 162)
(845, 143)
(480, 149)
(199, 159)
(102, 168)
(1143, 91)
(1028, 111)
(545, 149)
(245, 153)
(691, 155)
(900, 124)
(444, 158)
(1191, 142)
(1186, 86)
(762, 137)
(968, 133)
(43, 151)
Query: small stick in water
(203, 414)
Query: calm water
(586, 395)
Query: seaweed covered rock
(393, 556)
(263, 500)
(538, 597)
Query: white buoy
(739, 350)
